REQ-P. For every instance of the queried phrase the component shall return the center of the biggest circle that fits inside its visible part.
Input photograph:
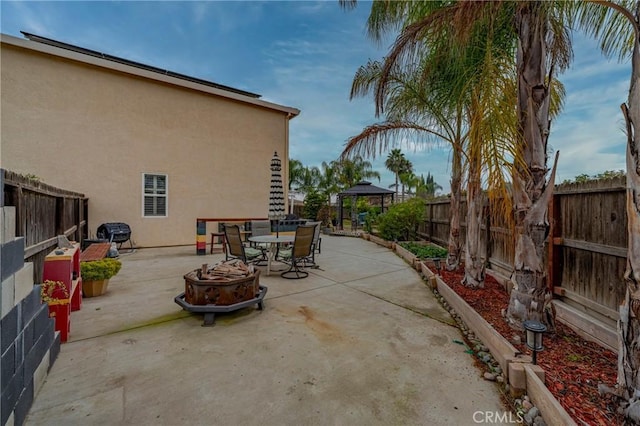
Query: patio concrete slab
(349, 345)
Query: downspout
(286, 157)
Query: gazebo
(362, 189)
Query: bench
(95, 251)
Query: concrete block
(24, 282)
(24, 403)
(517, 378)
(2, 186)
(11, 257)
(29, 335)
(537, 370)
(43, 324)
(7, 365)
(8, 296)
(41, 372)
(54, 350)
(8, 224)
(9, 326)
(35, 356)
(31, 304)
(10, 420)
(10, 394)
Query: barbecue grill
(115, 232)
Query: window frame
(155, 195)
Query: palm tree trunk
(396, 197)
(474, 267)
(530, 189)
(454, 246)
(629, 324)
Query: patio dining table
(273, 240)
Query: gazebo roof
(365, 188)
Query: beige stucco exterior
(95, 126)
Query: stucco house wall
(95, 126)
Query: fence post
(554, 258)
(487, 212)
(431, 222)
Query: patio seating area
(360, 341)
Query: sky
(304, 54)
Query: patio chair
(237, 250)
(299, 253)
(317, 240)
(260, 227)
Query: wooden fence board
(42, 213)
(587, 249)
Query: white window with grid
(154, 188)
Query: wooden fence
(587, 245)
(42, 213)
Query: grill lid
(117, 232)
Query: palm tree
(296, 173)
(353, 170)
(415, 112)
(609, 24)
(542, 48)
(329, 185)
(410, 180)
(309, 180)
(428, 186)
(394, 163)
(459, 73)
(406, 170)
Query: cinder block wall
(28, 343)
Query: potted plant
(96, 274)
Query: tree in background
(409, 180)
(415, 113)
(313, 203)
(296, 172)
(427, 187)
(329, 186)
(406, 173)
(354, 170)
(465, 67)
(395, 163)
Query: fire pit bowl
(222, 291)
(211, 294)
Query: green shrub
(313, 202)
(370, 220)
(97, 270)
(401, 221)
(425, 251)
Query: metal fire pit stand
(210, 311)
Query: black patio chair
(299, 253)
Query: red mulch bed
(573, 366)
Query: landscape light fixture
(436, 262)
(534, 330)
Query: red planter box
(61, 311)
